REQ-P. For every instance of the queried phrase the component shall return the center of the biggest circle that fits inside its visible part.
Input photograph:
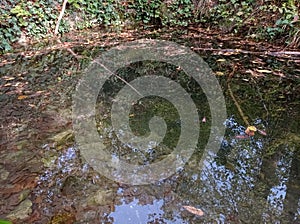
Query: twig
(70, 50)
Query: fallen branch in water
(250, 131)
(243, 116)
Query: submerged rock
(101, 197)
(63, 138)
(65, 217)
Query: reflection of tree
(292, 200)
(279, 181)
(239, 185)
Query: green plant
(285, 24)
(144, 11)
(181, 12)
(231, 15)
(5, 222)
(9, 28)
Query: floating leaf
(251, 130)
(262, 132)
(194, 210)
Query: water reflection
(133, 212)
(229, 189)
(278, 192)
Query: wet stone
(22, 211)
(73, 185)
(3, 173)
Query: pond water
(45, 178)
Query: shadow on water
(249, 180)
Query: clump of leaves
(9, 28)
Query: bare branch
(60, 16)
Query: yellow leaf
(22, 97)
(250, 130)
(221, 60)
(194, 210)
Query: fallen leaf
(219, 73)
(22, 97)
(221, 60)
(264, 71)
(296, 18)
(254, 73)
(194, 210)
(251, 130)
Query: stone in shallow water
(101, 197)
(63, 137)
(22, 211)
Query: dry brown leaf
(264, 71)
(255, 73)
(22, 97)
(219, 73)
(194, 210)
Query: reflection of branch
(123, 80)
(60, 16)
